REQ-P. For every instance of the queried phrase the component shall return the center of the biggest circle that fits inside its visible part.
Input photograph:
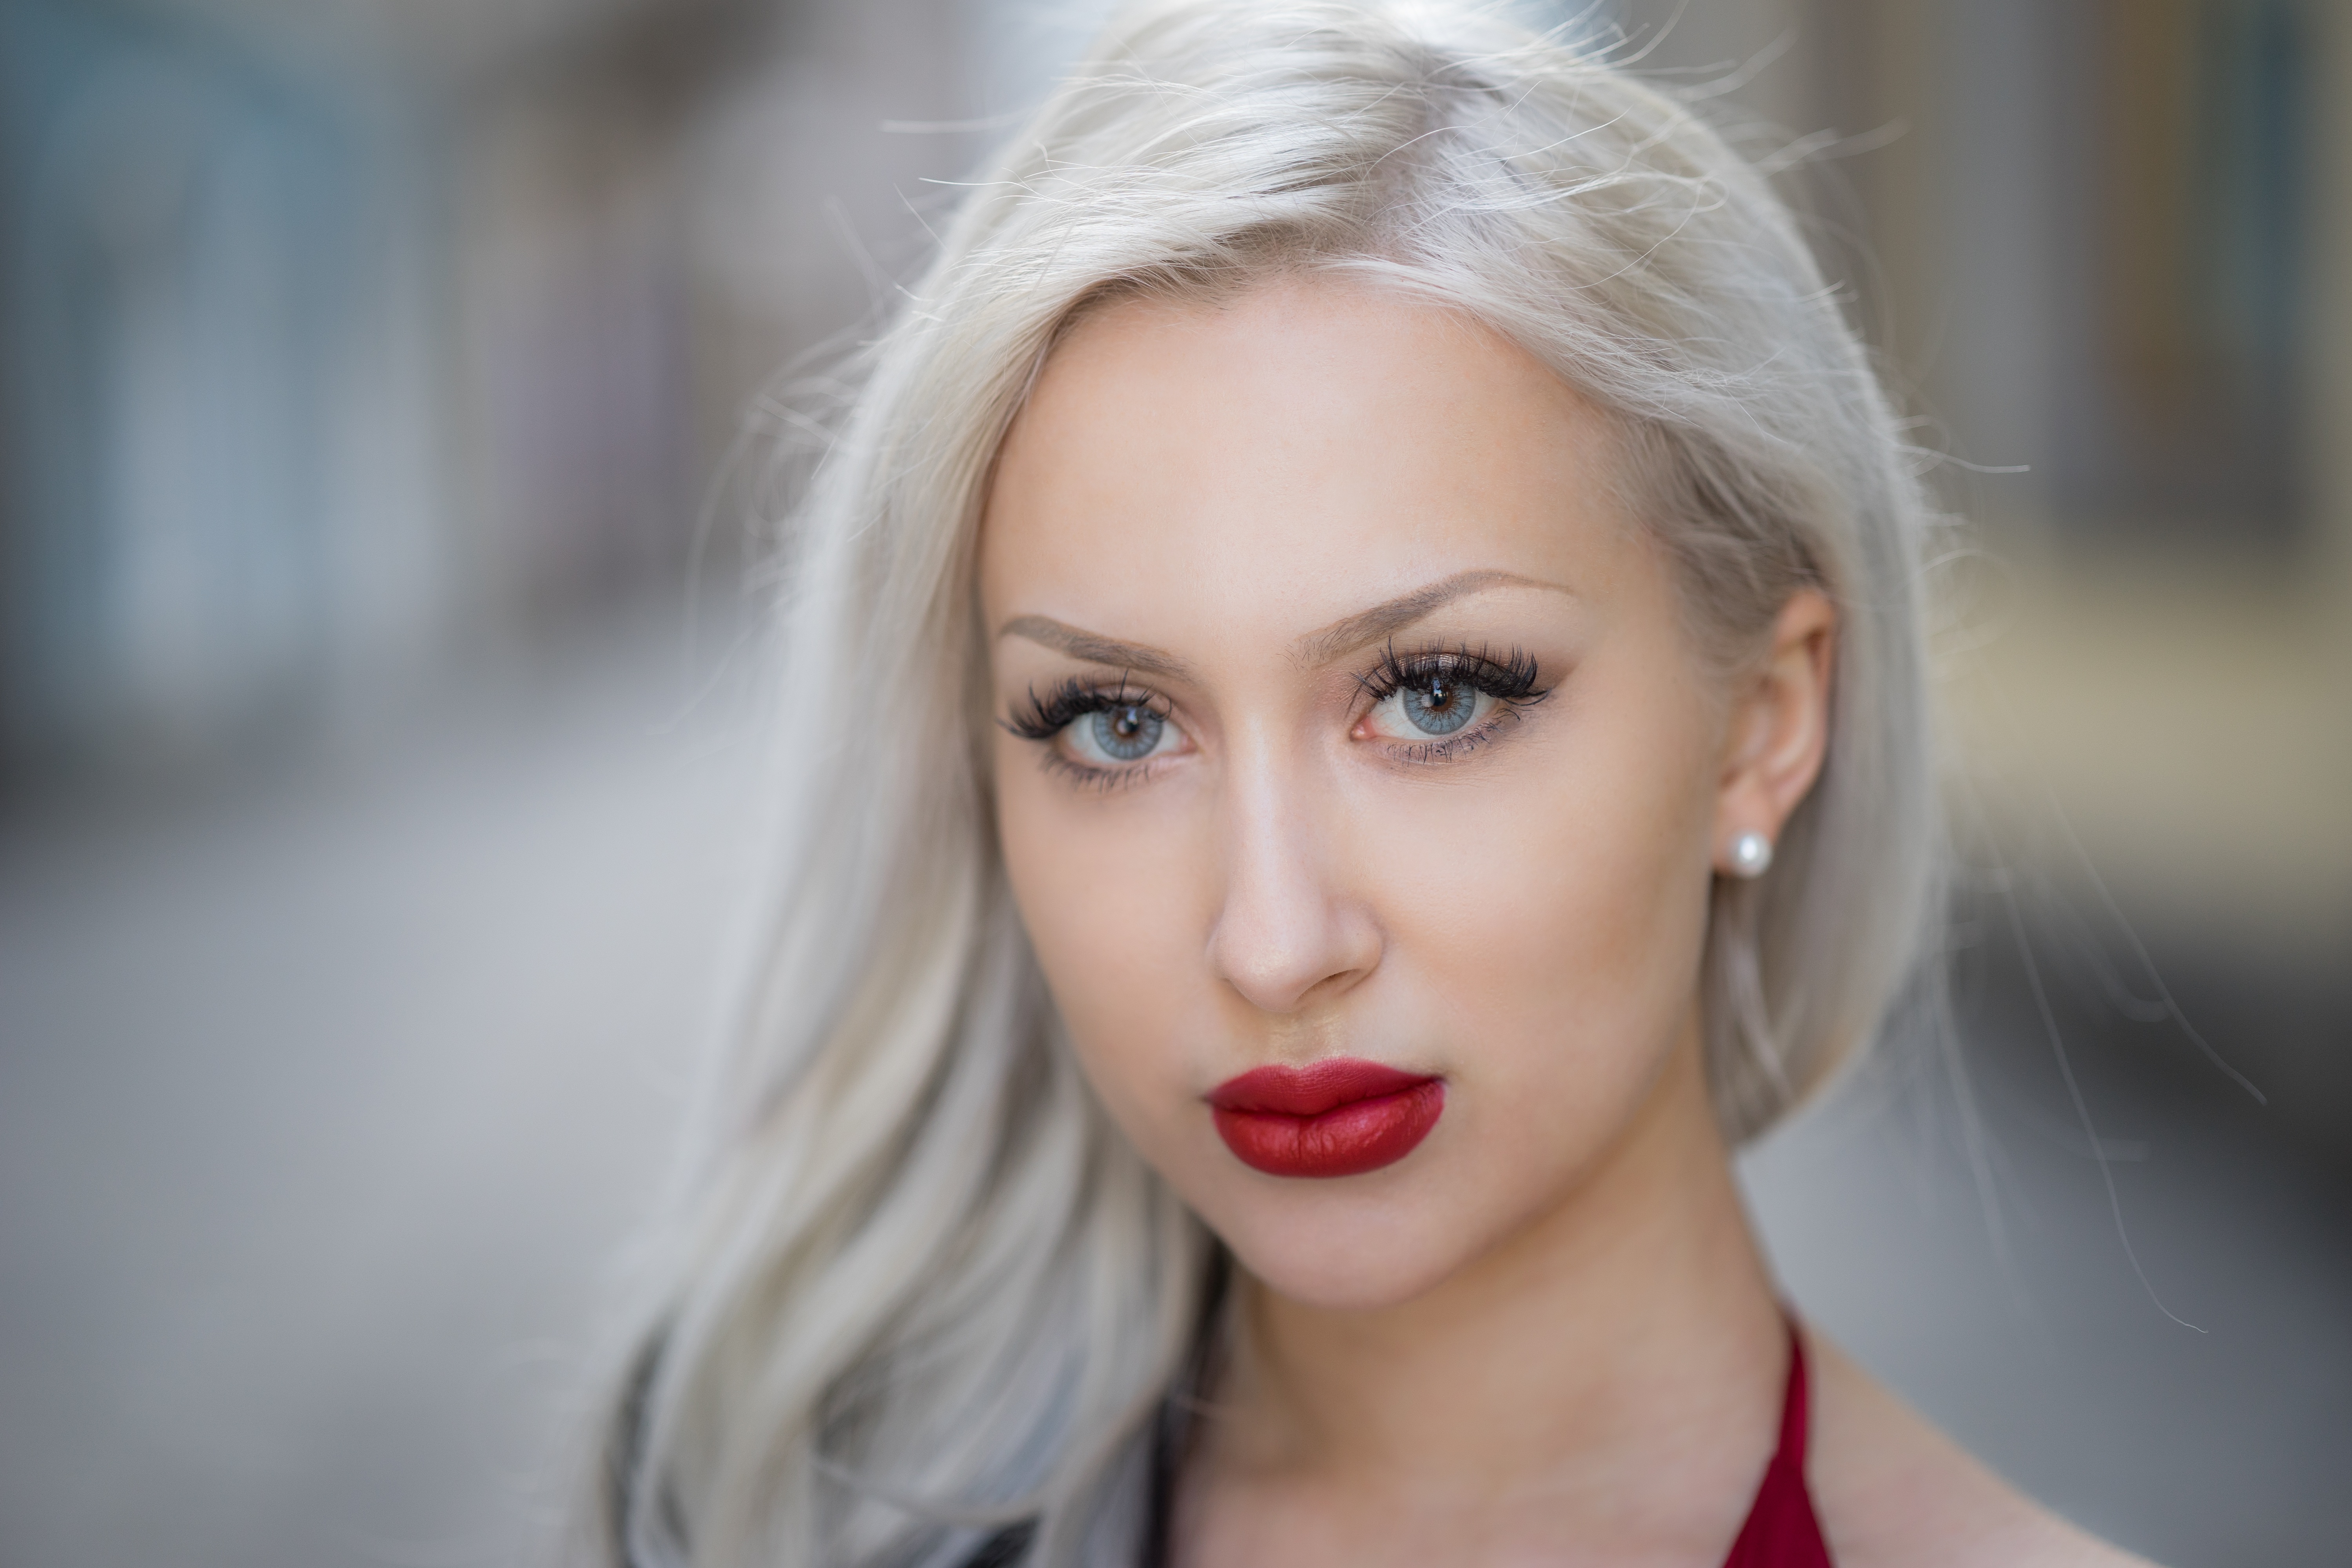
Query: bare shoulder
(1893, 1492)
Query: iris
(1439, 706)
(1128, 731)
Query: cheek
(1109, 888)
(1555, 915)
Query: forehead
(1306, 447)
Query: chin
(1342, 1254)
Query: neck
(1621, 1335)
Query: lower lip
(1338, 1117)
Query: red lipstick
(1338, 1117)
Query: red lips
(1338, 1117)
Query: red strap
(1782, 1530)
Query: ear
(1779, 726)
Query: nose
(1290, 931)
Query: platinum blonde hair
(927, 1306)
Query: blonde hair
(927, 1303)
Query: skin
(1547, 1335)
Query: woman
(1352, 723)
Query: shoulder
(1893, 1492)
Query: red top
(1781, 1531)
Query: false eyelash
(1510, 680)
(1043, 717)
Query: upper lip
(1312, 1090)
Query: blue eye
(1128, 733)
(1443, 701)
(1100, 733)
(1439, 705)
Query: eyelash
(1070, 699)
(1512, 681)
(1044, 716)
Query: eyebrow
(1383, 621)
(1092, 648)
(1337, 640)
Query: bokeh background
(376, 738)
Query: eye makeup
(1102, 736)
(1426, 705)
(1443, 702)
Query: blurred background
(374, 731)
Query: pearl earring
(1751, 855)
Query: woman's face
(1345, 716)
